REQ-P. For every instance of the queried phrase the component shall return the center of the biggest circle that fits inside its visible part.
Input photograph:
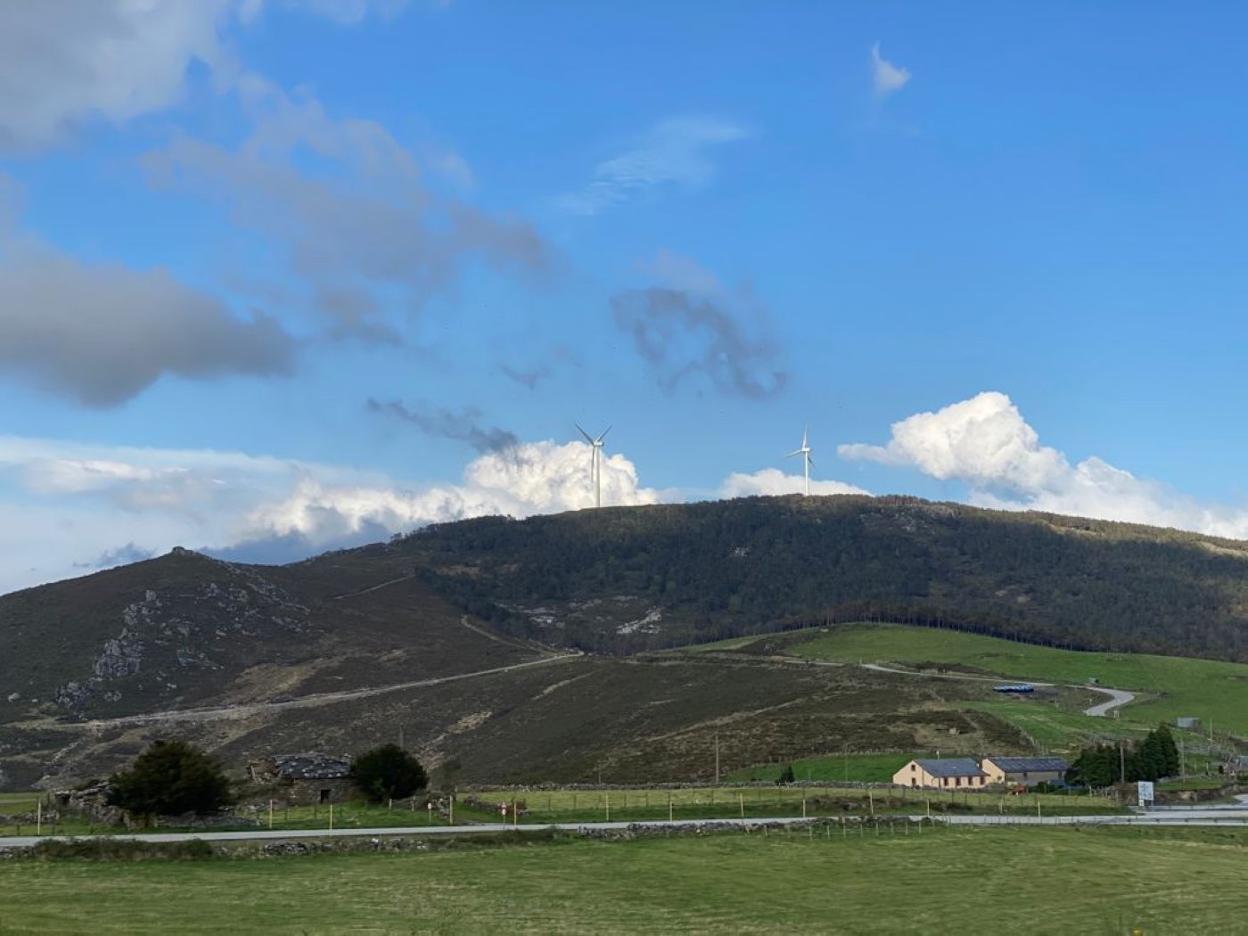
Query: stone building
(306, 778)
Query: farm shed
(307, 778)
(952, 773)
(1027, 771)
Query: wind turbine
(595, 462)
(804, 451)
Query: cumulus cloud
(674, 152)
(695, 326)
(771, 481)
(101, 333)
(463, 425)
(533, 477)
(65, 501)
(357, 232)
(985, 442)
(886, 77)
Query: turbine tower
(804, 451)
(595, 462)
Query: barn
(1025, 771)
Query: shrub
(388, 772)
(168, 779)
(786, 776)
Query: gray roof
(1021, 764)
(951, 767)
(312, 766)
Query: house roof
(951, 767)
(312, 765)
(1020, 764)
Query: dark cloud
(102, 333)
(529, 377)
(463, 426)
(122, 555)
(366, 237)
(280, 549)
(680, 334)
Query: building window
(324, 796)
(913, 767)
(957, 781)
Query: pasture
(1053, 880)
(1214, 691)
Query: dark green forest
(754, 565)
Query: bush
(388, 772)
(786, 776)
(168, 779)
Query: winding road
(1117, 697)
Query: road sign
(1145, 788)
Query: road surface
(1225, 816)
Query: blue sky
(276, 276)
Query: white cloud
(887, 77)
(985, 442)
(530, 478)
(68, 504)
(772, 481)
(672, 153)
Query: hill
(623, 579)
(469, 638)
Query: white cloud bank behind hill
(68, 508)
(985, 442)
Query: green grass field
(1091, 881)
(856, 768)
(1211, 690)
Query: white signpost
(1145, 788)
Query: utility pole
(717, 758)
(1122, 763)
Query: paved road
(1198, 817)
(1117, 697)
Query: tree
(388, 772)
(168, 779)
(786, 775)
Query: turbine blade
(604, 435)
(809, 460)
(795, 454)
(588, 437)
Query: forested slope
(621, 579)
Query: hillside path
(247, 709)
(1117, 697)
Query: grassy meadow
(1089, 881)
(1214, 691)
